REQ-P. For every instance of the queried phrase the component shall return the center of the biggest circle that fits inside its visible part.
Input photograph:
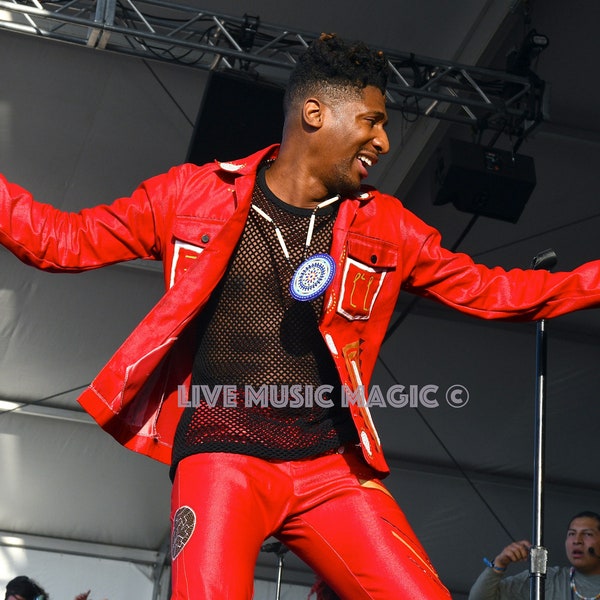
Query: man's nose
(382, 142)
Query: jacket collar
(250, 164)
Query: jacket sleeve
(456, 280)
(50, 239)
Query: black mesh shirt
(260, 360)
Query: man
(282, 274)
(24, 588)
(581, 580)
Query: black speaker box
(484, 181)
(238, 115)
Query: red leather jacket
(192, 217)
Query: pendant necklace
(574, 591)
(315, 273)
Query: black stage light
(239, 114)
(519, 61)
(484, 181)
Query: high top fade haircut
(336, 68)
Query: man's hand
(513, 553)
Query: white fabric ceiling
(79, 127)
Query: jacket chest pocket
(367, 264)
(191, 236)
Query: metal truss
(483, 99)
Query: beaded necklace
(574, 591)
(309, 233)
(314, 274)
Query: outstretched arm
(45, 237)
(456, 280)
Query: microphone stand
(280, 550)
(538, 556)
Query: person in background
(24, 588)
(580, 580)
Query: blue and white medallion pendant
(312, 277)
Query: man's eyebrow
(379, 114)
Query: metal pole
(538, 556)
(279, 575)
(280, 550)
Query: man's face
(583, 545)
(351, 140)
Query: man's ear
(313, 113)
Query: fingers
(514, 552)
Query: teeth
(366, 160)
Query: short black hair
(26, 587)
(586, 514)
(333, 65)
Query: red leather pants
(329, 511)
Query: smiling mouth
(366, 163)
(365, 160)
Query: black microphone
(592, 551)
(276, 547)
